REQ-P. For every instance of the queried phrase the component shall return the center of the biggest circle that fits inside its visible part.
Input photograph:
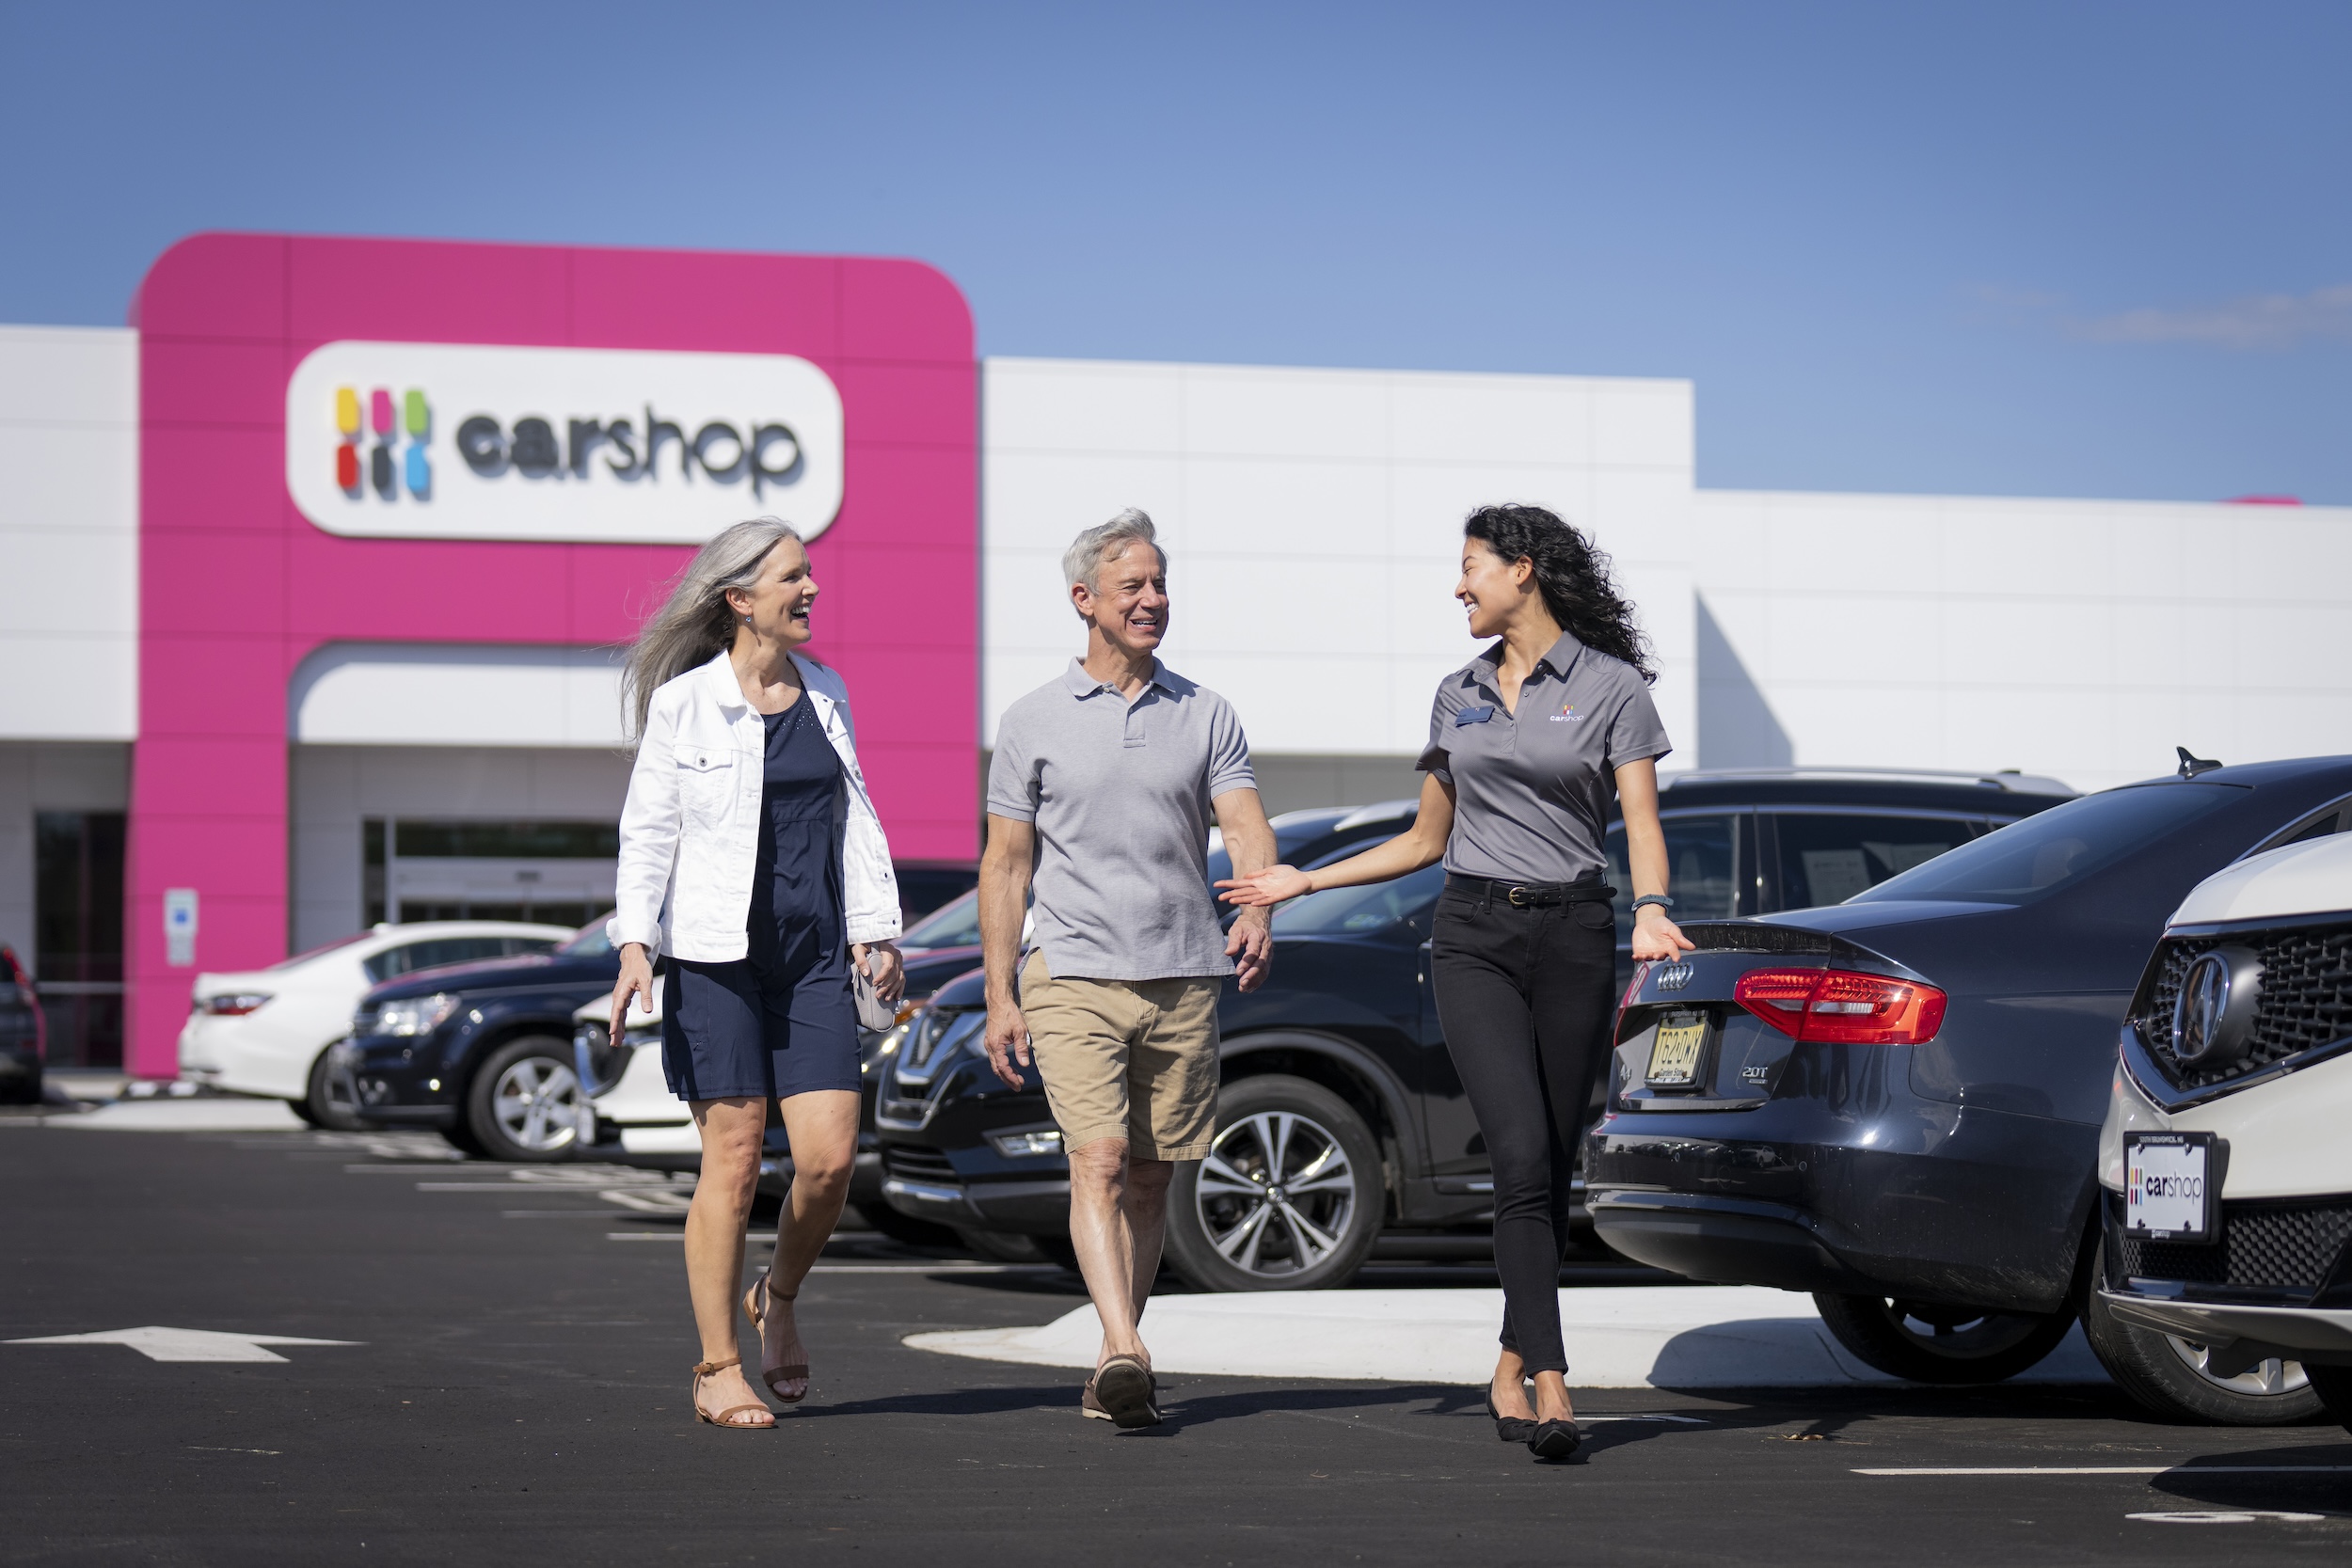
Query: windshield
(1361, 909)
(956, 924)
(589, 942)
(2056, 848)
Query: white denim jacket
(690, 833)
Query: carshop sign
(614, 446)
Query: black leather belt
(1531, 895)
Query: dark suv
(1337, 1087)
(481, 1051)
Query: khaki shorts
(1133, 1060)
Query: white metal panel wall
(68, 534)
(1312, 518)
(2081, 639)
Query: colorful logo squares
(386, 470)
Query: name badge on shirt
(1472, 715)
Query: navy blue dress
(780, 1021)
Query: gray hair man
(1104, 784)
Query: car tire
(1930, 1342)
(905, 1229)
(2333, 1384)
(1231, 1221)
(326, 1105)
(522, 1100)
(2168, 1374)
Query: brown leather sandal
(755, 1308)
(727, 1417)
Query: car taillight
(1633, 988)
(1837, 1006)
(234, 1006)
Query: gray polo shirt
(1532, 790)
(1119, 792)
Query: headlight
(232, 1007)
(936, 1040)
(1027, 1144)
(411, 1015)
(884, 1045)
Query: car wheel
(905, 1229)
(1932, 1342)
(524, 1101)
(1291, 1196)
(2173, 1377)
(2333, 1384)
(332, 1101)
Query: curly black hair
(1573, 576)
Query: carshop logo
(380, 472)
(722, 452)
(463, 441)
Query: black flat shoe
(1511, 1429)
(1555, 1439)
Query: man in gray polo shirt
(1104, 782)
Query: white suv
(2226, 1285)
(265, 1031)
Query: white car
(631, 1094)
(265, 1031)
(2226, 1293)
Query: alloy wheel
(1276, 1193)
(2264, 1379)
(537, 1103)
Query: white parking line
(2115, 1470)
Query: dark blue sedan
(1894, 1102)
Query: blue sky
(2054, 248)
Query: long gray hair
(696, 621)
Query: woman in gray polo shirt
(1527, 742)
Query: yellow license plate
(1674, 1057)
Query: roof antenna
(2191, 767)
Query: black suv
(1338, 1088)
(481, 1051)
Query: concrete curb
(1632, 1336)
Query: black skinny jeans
(1524, 996)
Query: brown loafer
(1122, 1386)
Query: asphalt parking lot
(514, 1390)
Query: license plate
(1674, 1057)
(2168, 1186)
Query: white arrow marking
(187, 1344)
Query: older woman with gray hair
(751, 855)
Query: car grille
(2306, 999)
(918, 1165)
(2268, 1246)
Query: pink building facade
(238, 584)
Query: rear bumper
(1724, 1241)
(1903, 1196)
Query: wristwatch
(1657, 899)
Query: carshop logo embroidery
(382, 474)
(1567, 715)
